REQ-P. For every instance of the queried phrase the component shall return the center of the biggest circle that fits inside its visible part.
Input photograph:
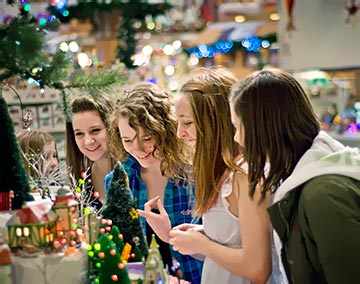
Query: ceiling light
(274, 16)
(239, 19)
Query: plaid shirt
(178, 203)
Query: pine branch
(22, 51)
(96, 80)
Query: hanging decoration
(131, 16)
(289, 7)
(352, 11)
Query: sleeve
(331, 209)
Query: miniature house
(34, 224)
(65, 207)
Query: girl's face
(140, 146)
(50, 158)
(90, 135)
(239, 129)
(186, 126)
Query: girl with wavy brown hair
(157, 162)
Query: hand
(174, 280)
(189, 241)
(160, 223)
(189, 227)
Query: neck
(102, 166)
(99, 170)
(153, 170)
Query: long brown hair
(279, 125)
(208, 91)
(149, 107)
(77, 161)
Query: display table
(51, 268)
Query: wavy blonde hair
(149, 107)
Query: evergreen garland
(126, 41)
(131, 11)
(22, 44)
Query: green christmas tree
(106, 262)
(117, 238)
(13, 175)
(119, 208)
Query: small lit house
(65, 207)
(34, 224)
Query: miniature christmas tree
(107, 265)
(119, 207)
(117, 238)
(13, 176)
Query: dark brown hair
(279, 125)
(74, 158)
(208, 90)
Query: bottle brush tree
(119, 207)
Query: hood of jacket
(325, 156)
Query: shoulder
(330, 191)
(327, 185)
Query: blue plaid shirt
(178, 202)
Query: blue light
(228, 44)
(218, 45)
(51, 18)
(198, 54)
(245, 43)
(61, 4)
(202, 47)
(265, 43)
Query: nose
(54, 162)
(180, 132)
(89, 140)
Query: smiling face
(139, 145)
(186, 126)
(50, 158)
(90, 135)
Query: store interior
(161, 41)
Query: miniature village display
(48, 246)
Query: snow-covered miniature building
(33, 225)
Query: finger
(174, 232)
(146, 214)
(171, 241)
(183, 227)
(161, 208)
(152, 203)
